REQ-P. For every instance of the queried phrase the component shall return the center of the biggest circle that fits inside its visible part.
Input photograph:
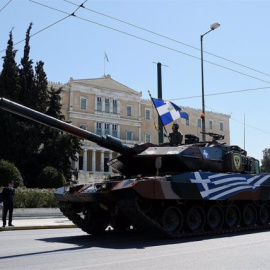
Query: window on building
(210, 124)
(115, 106)
(199, 124)
(106, 129)
(147, 138)
(83, 103)
(221, 126)
(129, 111)
(80, 163)
(98, 129)
(106, 167)
(148, 114)
(99, 104)
(187, 122)
(85, 127)
(129, 135)
(107, 105)
(114, 131)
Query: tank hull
(179, 205)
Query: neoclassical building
(104, 106)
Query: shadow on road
(113, 240)
(132, 239)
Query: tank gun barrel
(108, 142)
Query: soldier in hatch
(175, 137)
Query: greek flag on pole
(168, 111)
(106, 57)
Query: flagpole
(158, 114)
(244, 132)
(104, 64)
(105, 59)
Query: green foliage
(51, 178)
(9, 77)
(42, 146)
(265, 167)
(8, 172)
(34, 198)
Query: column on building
(85, 160)
(102, 161)
(93, 160)
(110, 157)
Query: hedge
(34, 198)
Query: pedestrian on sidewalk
(8, 194)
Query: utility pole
(159, 84)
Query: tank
(195, 188)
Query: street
(73, 249)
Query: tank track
(143, 221)
(68, 211)
(96, 224)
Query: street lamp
(212, 28)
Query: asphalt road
(73, 249)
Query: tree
(58, 148)
(9, 172)
(27, 74)
(9, 88)
(39, 93)
(9, 77)
(265, 167)
(51, 178)
(30, 145)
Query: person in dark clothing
(175, 137)
(8, 203)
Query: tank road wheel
(214, 218)
(232, 217)
(96, 222)
(249, 215)
(145, 205)
(195, 219)
(263, 215)
(172, 219)
(120, 223)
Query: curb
(37, 227)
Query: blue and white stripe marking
(215, 186)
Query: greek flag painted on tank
(217, 186)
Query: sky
(137, 34)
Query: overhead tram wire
(225, 93)
(5, 5)
(40, 31)
(238, 121)
(171, 39)
(157, 44)
(68, 15)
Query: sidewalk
(38, 218)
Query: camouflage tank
(173, 191)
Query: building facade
(106, 107)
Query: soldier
(8, 203)
(175, 137)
